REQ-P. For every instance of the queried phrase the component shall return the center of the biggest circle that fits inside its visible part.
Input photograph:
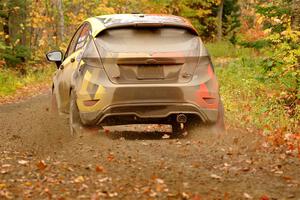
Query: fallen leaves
(214, 176)
(185, 196)
(264, 197)
(2, 186)
(110, 157)
(5, 168)
(289, 141)
(79, 179)
(99, 169)
(25, 92)
(246, 169)
(165, 136)
(83, 187)
(99, 195)
(116, 172)
(247, 196)
(41, 165)
(6, 194)
(23, 162)
(104, 179)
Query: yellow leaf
(260, 19)
(2, 186)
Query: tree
(296, 15)
(12, 19)
(29, 28)
(220, 21)
(61, 20)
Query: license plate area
(150, 72)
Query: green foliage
(256, 96)
(258, 44)
(202, 13)
(11, 50)
(225, 49)
(282, 67)
(231, 17)
(276, 14)
(16, 55)
(11, 80)
(281, 64)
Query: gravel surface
(40, 160)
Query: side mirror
(55, 56)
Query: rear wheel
(74, 117)
(178, 129)
(219, 126)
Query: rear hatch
(149, 54)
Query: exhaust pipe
(181, 118)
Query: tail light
(90, 102)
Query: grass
(11, 80)
(226, 49)
(248, 96)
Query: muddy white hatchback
(129, 69)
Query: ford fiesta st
(136, 68)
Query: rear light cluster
(90, 102)
(210, 100)
(207, 93)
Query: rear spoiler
(150, 25)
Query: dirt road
(40, 160)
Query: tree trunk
(23, 19)
(296, 15)
(4, 20)
(220, 21)
(61, 21)
(6, 29)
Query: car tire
(74, 117)
(177, 131)
(54, 107)
(193, 124)
(219, 126)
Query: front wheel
(54, 107)
(74, 117)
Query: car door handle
(72, 60)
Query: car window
(79, 39)
(83, 37)
(73, 42)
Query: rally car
(136, 68)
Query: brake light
(210, 100)
(90, 102)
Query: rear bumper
(198, 97)
(149, 111)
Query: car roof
(104, 22)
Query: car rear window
(147, 40)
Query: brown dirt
(40, 160)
